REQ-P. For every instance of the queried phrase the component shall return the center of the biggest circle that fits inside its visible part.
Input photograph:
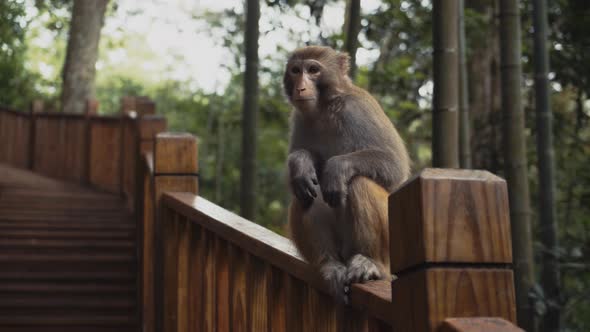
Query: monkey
(345, 158)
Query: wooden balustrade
(85, 148)
(450, 250)
(203, 268)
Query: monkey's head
(314, 75)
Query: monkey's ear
(344, 62)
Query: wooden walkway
(67, 257)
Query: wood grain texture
(175, 154)
(196, 299)
(209, 282)
(184, 277)
(295, 293)
(278, 306)
(478, 324)
(449, 216)
(105, 153)
(238, 292)
(258, 280)
(170, 275)
(148, 251)
(222, 285)
(423, 299)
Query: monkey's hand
(334, 181)
(303, 177)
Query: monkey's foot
(362, 269)
(335, 275)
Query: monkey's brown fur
(345, 158)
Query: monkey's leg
(314, 235)
(366, 219)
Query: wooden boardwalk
(68, 257)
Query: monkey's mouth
(304, 99)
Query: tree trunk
(515, 159)
(250, 110)
(82, 52)
(446, 93)
(545, 164)
(353, 26)
(464, 125)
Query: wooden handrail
(204, 268)
(450, 250)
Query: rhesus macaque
(345, 158)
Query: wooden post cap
(449, 216)
(478, 324)
(175, 154)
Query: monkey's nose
(300, 89)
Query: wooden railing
(203, 268)
(207, 269)
(101, 151)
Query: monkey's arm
(302, 176)
(380, 166)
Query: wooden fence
(101, 151)
(203, 268)
(207, 269)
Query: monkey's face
(301, 83)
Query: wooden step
(63, 225)
(67, 320)
(69, 287)
(79, 302)
(66, 244)
(67, 258)
(67, 234)
(41, 274)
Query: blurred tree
(250, 112)
(545, 165)
(353, 26)
(446, 93)
(482, 42)
(82, 53)
(464, 120)
(16, 83)
(516, 160)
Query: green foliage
(16, 83)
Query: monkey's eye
(313, 70)
(295, 70)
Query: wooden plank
(222, 285)
(255, 239)
(209, 282)
(295, 295)
(170, 242)
(258, 279)
(105, 153)
(238, 267)
(422, 300)
(373, 296)
(478, 324)
(450, 216)
(277, 300)
(196, 292)
(175, 153)
(185, 235)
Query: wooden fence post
(147, 129)
(450, 249)
(36, 107)
(175, 169)
(91, 110)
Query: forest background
(189, 57)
